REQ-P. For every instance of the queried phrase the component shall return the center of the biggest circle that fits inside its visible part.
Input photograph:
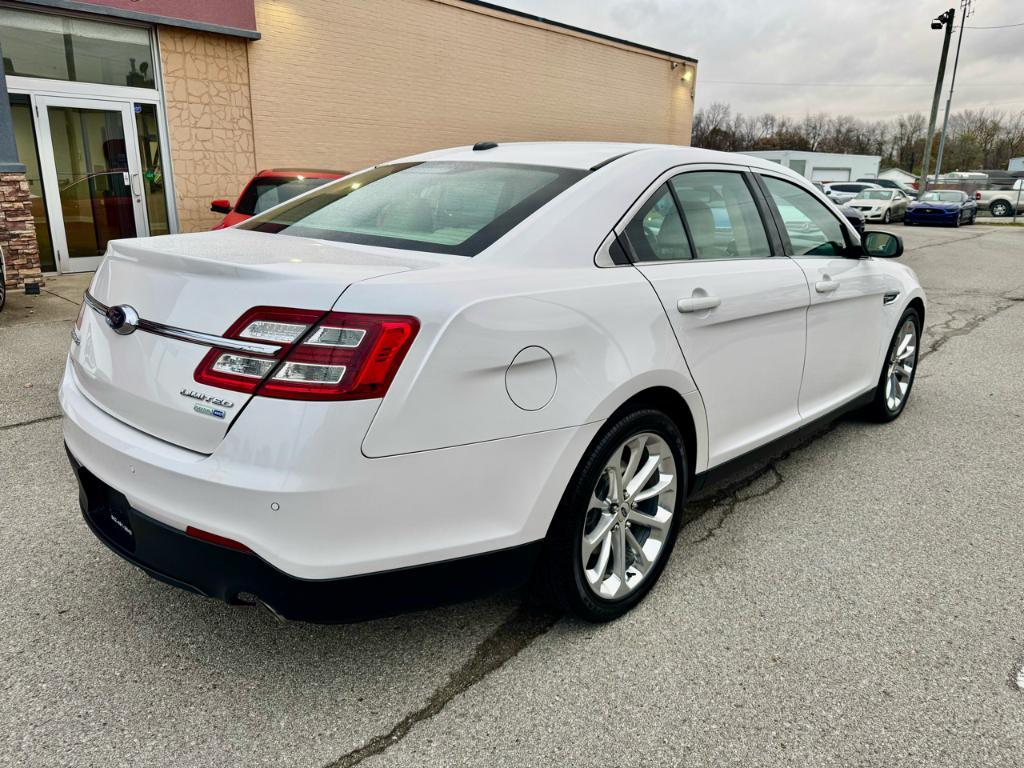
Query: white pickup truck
(1002, 202)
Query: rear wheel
(1000, 208)
(898, 370)
(618, 520)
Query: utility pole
(965, 13)
(946, 20)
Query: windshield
(942, 197)
(875, 194)
(441, 207)
(265, 192)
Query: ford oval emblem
(123, 319)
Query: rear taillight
(977, 195)
(332, 356)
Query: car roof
(584, 155)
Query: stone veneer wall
(209, 119)
(17, 232)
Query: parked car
(1002, 202)
(470, 369)
(843, 192)
(883, 205)
(269, 188)
(852, 215)
(942, 206)
(892, 184)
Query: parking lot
(856, 601)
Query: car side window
(656, 232)
(811, 227)
(721, 215)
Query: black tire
(959, 220)
(559, 580)
(879, 409)
(887, 218)
(3, 290)
(1000, 208)
(974, 215)
(907, 223)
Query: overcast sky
(884, 50)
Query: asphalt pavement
(855, 601)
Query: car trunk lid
(200, 283)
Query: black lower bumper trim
(171, 556)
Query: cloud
(883, 51)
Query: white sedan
(470, 369)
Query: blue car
(943, 206)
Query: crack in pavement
(944, 331)
(30, 422)
(519, 629)
(937, 243)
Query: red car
(267, 189)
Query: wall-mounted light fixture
(686, 73)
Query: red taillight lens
(977, 195)
(243, 372)
(346, 357)
(322, 356)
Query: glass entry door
(91, 177)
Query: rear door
(737, 309)
(844, 321)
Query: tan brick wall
(209, 120)
(347, 83)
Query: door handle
(826, 286)
(698, 303)
(136, 187)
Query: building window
(68, 48)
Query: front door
(737, 310)
(92, 178)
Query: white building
(900, 177)
(824, 166)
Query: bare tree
(976, 138)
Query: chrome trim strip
(192, 337)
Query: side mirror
(221, 206)
(882, 245)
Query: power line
(850, 85)
(999, 26)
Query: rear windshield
(267, 191)
(441, 207)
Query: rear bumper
(237, 577)
(289, 482)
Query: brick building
(127, 117)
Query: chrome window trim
(192, 337)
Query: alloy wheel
(902, 359)
(629, 516)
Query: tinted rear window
(441, 207)
(267, 191)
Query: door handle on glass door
(136, 187)
(826, 286)
(698, 303)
